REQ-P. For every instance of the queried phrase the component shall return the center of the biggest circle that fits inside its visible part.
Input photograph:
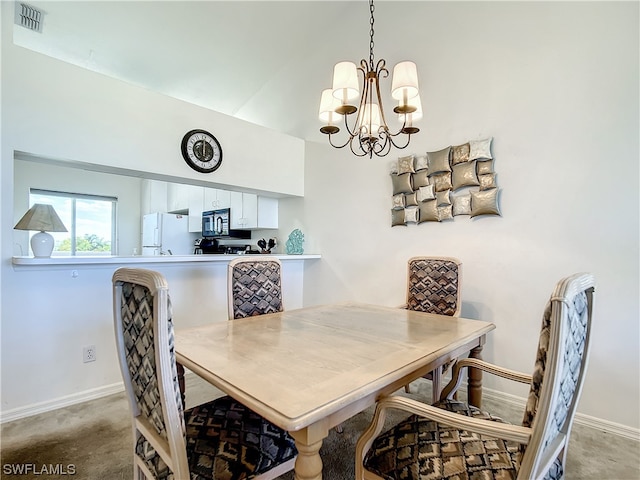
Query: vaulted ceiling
(265, 62)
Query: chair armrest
(456, 377)
(490, 428)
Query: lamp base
(42, 245)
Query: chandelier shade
(345, 81)
(370, 134)
(328, 105)
(404, 85)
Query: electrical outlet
(89, 354)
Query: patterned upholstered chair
(221, 439)
(441, 441)
(433, 286)
(254, 286)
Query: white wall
(556, 85)
(75, 115)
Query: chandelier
(370, 133)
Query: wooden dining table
(308, 370)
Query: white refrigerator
(166, 234)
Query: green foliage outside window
(88, 243)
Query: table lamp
(45, 219)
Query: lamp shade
(345, 81)
(405, 81)
(41, 217)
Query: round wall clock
(201, 151)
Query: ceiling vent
(28, 17)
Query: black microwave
(217, 224)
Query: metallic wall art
(440, 185)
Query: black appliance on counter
(216, 224)
(206, 245)
(209, 246)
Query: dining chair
(221, 439)
(254, 286)
(433, 286)
(454, 440)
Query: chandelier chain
(371, 9)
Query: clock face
(201, 151)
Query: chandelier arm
(399, 132)
(339, 146)
(361, 146)
(364, 152)
(365, 88)
(349, 131)
(363, 99)
(366, 145)
(380, 69)
(385, 147)
(400, 147)
(383, 152)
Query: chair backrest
(144, 338)
(558, 375)
(433, 285)
(254, 286)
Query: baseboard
(610, 427)
(518, 402)
(61, 402)
(580, 418)
(80, 397)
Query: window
(90, 221)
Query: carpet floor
(93, 440)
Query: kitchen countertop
(138, 259)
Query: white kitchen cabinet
(153, 197)
(267, 212)
(244, 210)
(178, 196)
(196, 204)
(250, 211)
(215, 199)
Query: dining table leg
(308, 442)
(474, 379)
